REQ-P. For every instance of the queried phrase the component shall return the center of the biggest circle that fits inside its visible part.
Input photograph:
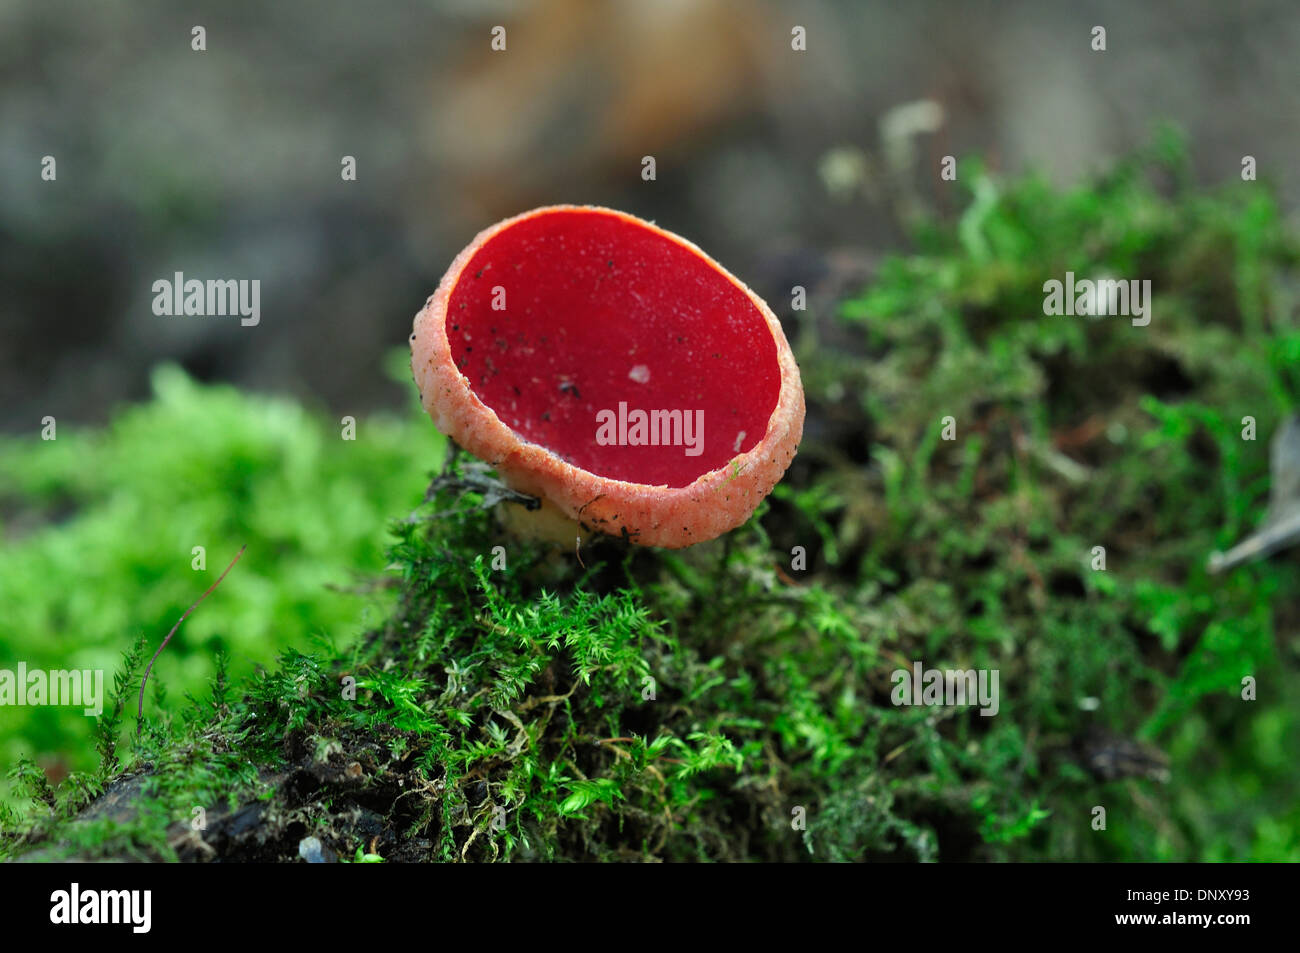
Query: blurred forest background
(789, 167)
(226, 163)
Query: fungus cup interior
(569, 322)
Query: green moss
(720, 703)
(99, 527)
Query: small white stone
(640, 374)
(309, 849)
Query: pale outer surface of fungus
(673, 517)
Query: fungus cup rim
(717, 501)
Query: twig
(139, 711)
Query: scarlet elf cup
(614, 370)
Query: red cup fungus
(614, 370)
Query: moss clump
(98, 530)
(728, 703)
